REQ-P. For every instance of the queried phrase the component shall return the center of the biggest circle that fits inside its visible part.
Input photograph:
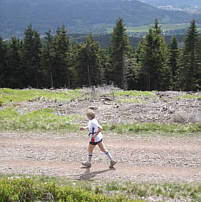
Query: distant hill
(175, 3)
(80, 16)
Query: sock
(108, 155)
(89, 158)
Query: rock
(93, 107)
(107, 103)
(107, 99)
(180, 117)
(184, 117)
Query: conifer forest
(55, 61)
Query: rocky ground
(162, 107)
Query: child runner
(95, 139)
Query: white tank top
(93, 126)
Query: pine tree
(89, 63)
(15, 69)
(3, 64)
(189, 71)
(140, 50)
(72, 61)
(31, 57)
(173, 59)
(132, 73)
(47, 59)
(107, 68)
(119, 54)
(60, 71)
(199, 65)
(154, 73)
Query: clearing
(154, 136)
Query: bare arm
(84, 128)
(99, 130)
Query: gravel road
(140, 158)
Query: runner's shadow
(87, 175)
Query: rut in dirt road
(139, 158)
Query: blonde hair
(91, 114)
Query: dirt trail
(139, 158)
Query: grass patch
(47, 120)
(133, 93)
(167, 191)
(30, 189)
(130, 101)
(153, 127)
(190, 96)
(7, 95)
(165, 27)
(44, 119)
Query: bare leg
(90, 151)
(103, 149)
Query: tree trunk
(51, 80)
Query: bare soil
(162, 107)
(140, 158)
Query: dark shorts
(95, 143)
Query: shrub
(28, 189)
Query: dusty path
(139, 158)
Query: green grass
(7, 95)
(133, 93)
(38, 187)
(165, 190)
(131, 96)
(190, 97)
(130, 101)
(30, 189)
(165, 27)
(153, 127)
(44, 119)
(47, 120)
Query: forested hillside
(58, 62)
(105, 39)
(79, 16)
